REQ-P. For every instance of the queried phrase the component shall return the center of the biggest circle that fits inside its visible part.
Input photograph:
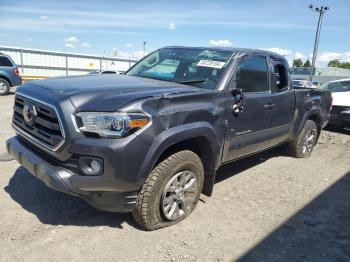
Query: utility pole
(144, 48)
(321, 10)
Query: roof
(231, 49)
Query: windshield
(199, 67)
(343, 86)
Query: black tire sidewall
(191, 163)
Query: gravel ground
(268, 207)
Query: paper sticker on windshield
(210, 63)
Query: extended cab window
(251, 75)
(4, 61)
(281, 76)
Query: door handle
(269, 106)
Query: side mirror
(237, 92)
(239, 100)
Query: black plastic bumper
(340, 118)
(64, 180)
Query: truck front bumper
(66, 181)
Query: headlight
(111, 125)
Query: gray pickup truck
(150, 141)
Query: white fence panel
(48, 64)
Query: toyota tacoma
(150, 141)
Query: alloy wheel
(3, 87)
(309, 141)
(179, 194)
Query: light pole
(321, 10)
(144, 48)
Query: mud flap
(209, 181)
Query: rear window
(4, 61)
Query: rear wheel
(4, 87)
(171, 191)
(304, 144)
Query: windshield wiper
(192, 81)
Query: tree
(346, 65)
(307, 63)
(297, 63)
(337, 63)
(334, 63)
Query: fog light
(95, 166)
(91, 166)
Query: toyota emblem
(29, 113)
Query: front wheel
(304, 144)
(171, 192)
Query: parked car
(301, 83)
(150, 141)
(9, 74)
(316, 84)
(99, 72)
(340, 113)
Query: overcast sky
(99, 27)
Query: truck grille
(38, 121)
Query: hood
(341, 98)
(102, 92)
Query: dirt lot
(268, 207)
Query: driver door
(248, 130)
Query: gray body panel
(179, 113)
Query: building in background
(35, 64)
(322, 75)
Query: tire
(304, 144)
(156, 206)
(4, 87)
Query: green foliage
(307, 63)
(337, 63)
(297, 63)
